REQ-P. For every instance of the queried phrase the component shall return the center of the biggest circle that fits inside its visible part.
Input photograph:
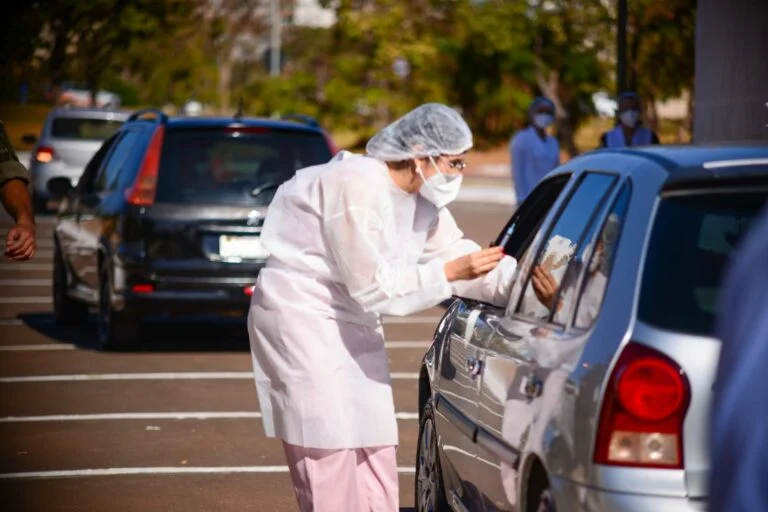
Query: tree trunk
(56, 62)
(225, 83)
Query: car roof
(89, 113)
(231, 122)
(694, 162)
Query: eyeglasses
(459, 165)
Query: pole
(621, 48)
(275, 34)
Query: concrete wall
(731, 83)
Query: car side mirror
(29, 138)
(59, 187)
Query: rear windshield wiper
(266, 186)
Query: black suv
(167, 215)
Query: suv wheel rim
(427, 476)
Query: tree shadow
(157, 334)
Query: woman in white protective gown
(350, 240)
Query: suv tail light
(142, 193)
(641, 421)
(44, 154)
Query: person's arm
(15, 197)
(20, 242)
(354, 228)
(446, 242)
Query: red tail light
(142, 193)
(44, 154)
(142, 288)
(248, 290)
(641, 421)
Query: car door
(71, 242)
(97, 216)
(527, 337)
(462, 359)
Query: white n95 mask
(543, 120)
(439, 189)
(629, 118)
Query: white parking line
(10, 321)
(73, 473)
(25, 300)
(40, 347)
(236, 415)
(156, 376)
(407, 344)
(26, 266)
(25, 282)
(410, 319)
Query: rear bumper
(186, 295)
(573, 497)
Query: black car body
(167, 216)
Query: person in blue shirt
(533, 151)
(739, 420)
(629, 131)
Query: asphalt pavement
(172, 425)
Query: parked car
(167, 216)
(593, 393)
(69, 138)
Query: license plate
(241, 247)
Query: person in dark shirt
(17, 201)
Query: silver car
(590, 390)
(68, 140)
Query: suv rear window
(82, 128)
(691, 242)
(233, 168)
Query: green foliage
(486, 57)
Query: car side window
(108, 179)
(540, 299)
(603, 254)
(86, 182)
(525, 222)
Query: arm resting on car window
(446, 242)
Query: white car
(68, 140)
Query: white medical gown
(347, 245)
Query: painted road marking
(40, 347)
(73, 473)
(156, 376)
(410, 319)
(25, 300)
(25, 282)
(26, 266)
(217, 415)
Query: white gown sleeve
(354, 231)
(446, 242)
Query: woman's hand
(473, 265)
(544, 286)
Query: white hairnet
(429, 130)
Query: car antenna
(239, 113)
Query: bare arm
(20, 243)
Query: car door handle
(474, 367)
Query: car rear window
(691, 242)
(233, 168)
(84, 128)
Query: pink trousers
(355, 480)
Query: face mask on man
(543, 121)
(629, 118)
(439, 189)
